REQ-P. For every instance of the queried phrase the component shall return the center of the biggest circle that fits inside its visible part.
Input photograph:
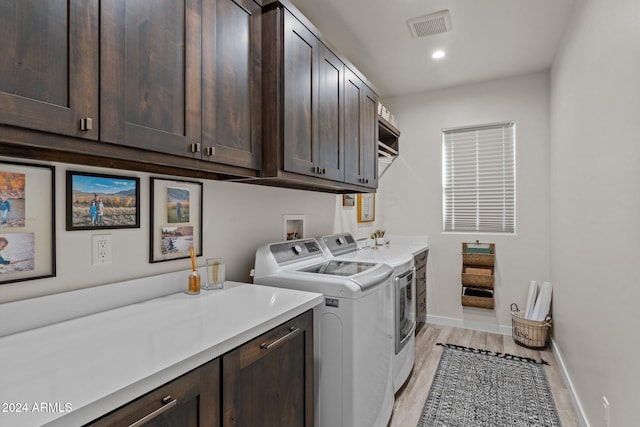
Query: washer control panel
(340, 244)
(295, 250)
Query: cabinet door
(232, 82)
(369, 138)
(150, 74)
(269, 381)
(300, 97)
(330, 158)
(190, 400)
(361, 133)
(49, 67)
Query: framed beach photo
(176, 219)
(27, 222)
(96, 201)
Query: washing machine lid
(344, 247)
(339, 268)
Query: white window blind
(478, 179)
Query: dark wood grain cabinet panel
(232, 82)
(420, 262)
(300, 97)
(150, 74)
(361, 132)
(49, 67)
(269, 380)
(330, 122)
(313, 110)
(192, 400)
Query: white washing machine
(344, 246)
(353, 329)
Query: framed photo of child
(176, 219)
(102, 201)
(27, 218)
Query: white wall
(595, 206)
(412, 190)
(237, 219)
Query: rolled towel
(531, 299)
(543, 302)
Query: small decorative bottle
(194, 276)
(194, 283)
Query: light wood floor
(411, 397)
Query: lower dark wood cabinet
(420, 261)
(190, 400)
(269, 380)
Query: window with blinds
(478, 179)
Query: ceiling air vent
(428, 25)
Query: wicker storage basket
(533, 334)
(478, 259)
(481, 298)
(470, 277)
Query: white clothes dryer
(344, 246)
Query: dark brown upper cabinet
(300, 101)
(305, 109)
(150, 76)
(330, 139)
(49, 67)
(232, 82)
(361, 132)
(313, 79)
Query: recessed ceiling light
(438, 54)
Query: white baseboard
(466, 324)
(567, 380)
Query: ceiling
(488, 39)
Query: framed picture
(27, 222)
(348, 200)
(293, 227)
(366, 207)
(176, 219)
(96, 201)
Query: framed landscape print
(97, 201)
(176, 219)
(27, 222)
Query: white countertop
(93, 364)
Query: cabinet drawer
(190, 400)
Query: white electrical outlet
(101, 249)
(605, 405)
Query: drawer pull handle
(168, 404)
(292, 330)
